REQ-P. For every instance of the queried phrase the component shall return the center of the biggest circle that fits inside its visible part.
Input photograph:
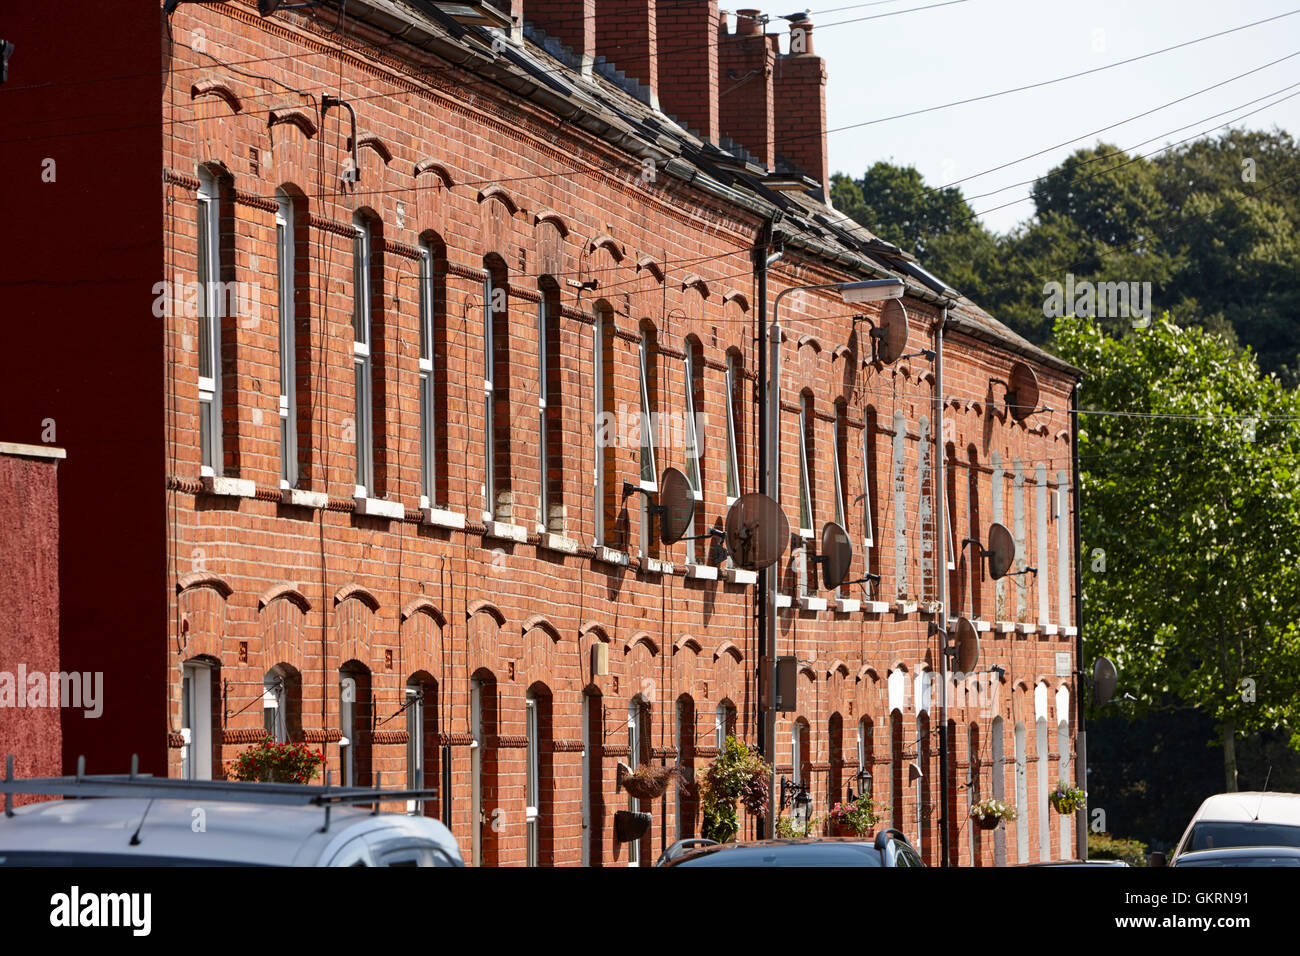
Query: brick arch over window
(424, 638)
(542, 652)
(282, 621)
(485, 621)
(201, 600)
(496, 211)
(589, 635)
(355, 620)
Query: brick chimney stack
(572, 22)
(801, 105)
(688, 64)
(626, 35)
(746, 101)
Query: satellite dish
(1022, 392)
(757, 531)
(891, 332)
(967, 645)
(836, 555)
(1104, 679)
(676, 504)
(1001, 551)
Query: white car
(1244, 819)
(145, 821)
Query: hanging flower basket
(1066, 799)
(987, 814)
(630, 825)
(647, 782)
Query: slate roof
(616, 108)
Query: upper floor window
(497, 503)
(362, 378)
(1040, 532)
(734, 405)
(805, 466)
(285, 262)
(647, 356)
(428, 396)
(693, 385)
(550, 432)
(1062, 516)
(604, 424)
(210, 307)
(868, 477)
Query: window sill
(558, 542)
(1024, 628)
(740, 576)
(1050, 629)
(299, 498)
(702, 572)
(505, 531)
(980, 626)
(1071, 631)
(379, 508)
(1004, 627)
(876, 607)
(905, 607)
(441, 518)
(847, 605)
(610, 556)
(812, 604)
(655, 566)
(783, 600)
(230, 487)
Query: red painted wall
(85, 352)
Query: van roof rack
(146, 786)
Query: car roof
(1251, 806)
(192, 829)
(780, 842)
(1235, 851)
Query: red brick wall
(29, 615)
(253, 583)
(746, 104)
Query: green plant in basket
(1066, 798)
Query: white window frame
(196, 720)
(949, 493)
(361, 358)
(634, 712)
(805, 475)
(868, 519)
(273, 700)
(543, 371)
(733, 467)
(489, 401)
(1063, 529)
(837, 425)
(428, 400)
(347, 728)
(692, 452)
(415, 755)
(1018, 530)
(532, 781)
(1041, 582)
(899, 474)
(288, 407)
(208, 199)
(646, 454)
(599, 410)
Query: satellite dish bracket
(1012, 574)
(654, 507)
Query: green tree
(1191, 523)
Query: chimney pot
(748, 23)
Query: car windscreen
(79, 858)
(1251, 860)
(1217, 835)
(798, 854)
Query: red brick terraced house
(350, 318)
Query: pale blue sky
(929, 57)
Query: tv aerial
(1022, 392)
(757, 531)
